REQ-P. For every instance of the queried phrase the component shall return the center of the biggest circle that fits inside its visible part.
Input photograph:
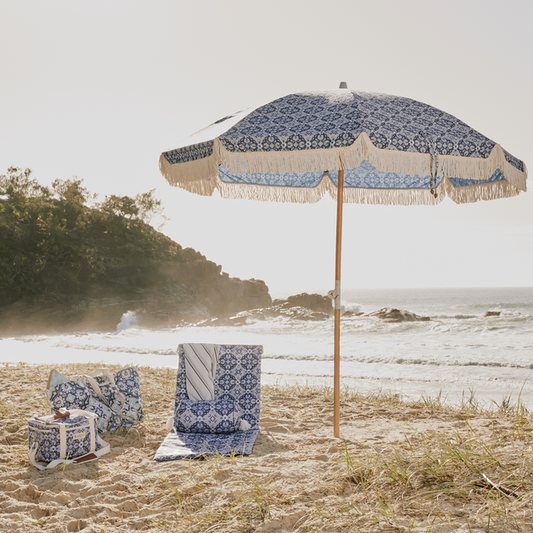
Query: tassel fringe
(201, 176)
(474, 193)
(393, 196)
(188, 172)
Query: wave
(351, 309)
(400, 361)
(353, 314)
(441, 384)
(115, 349)
(128, 320)
(489, 315)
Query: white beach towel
(200, 368)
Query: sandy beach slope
(399, 467)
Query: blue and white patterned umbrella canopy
(393, 150)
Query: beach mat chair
(237, 379)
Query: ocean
(477, 342)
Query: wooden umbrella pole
(337, 334)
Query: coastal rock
(389, 314)
(493, 313)
(306, 307)
(314, 302)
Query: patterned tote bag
(115, 398)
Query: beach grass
(401, 465)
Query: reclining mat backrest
(238, 378)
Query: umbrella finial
(343, 85)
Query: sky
(97, 90)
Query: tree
(17, 184)
(120, 205)
(51, 240)
(72, 200)
(71, 191)
(144, 207)
(149, 207)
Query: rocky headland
(66, 265)
(180, 294)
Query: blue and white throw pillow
(207, 416)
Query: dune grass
(471, 472)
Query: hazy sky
(98, 89)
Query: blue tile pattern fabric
(323, 120)
(78, 394)
(285, 179)
(310, 121)
(179, 445)
(238, 380)
(365, 176)
(128, 383)
(460, 182)
(111, 395)
(207, 416)
(45, 436)
(190, 153)
(120, 407)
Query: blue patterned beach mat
(179, 445)
(238, 380)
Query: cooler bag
(64, 438)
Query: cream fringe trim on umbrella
(485, 191)
(472, 193)
(192, 171)
(331, 159)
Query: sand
(399, 466)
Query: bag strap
(99, 372)
(81, 412)
(63, 413)
(94, 384)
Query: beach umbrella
(359, 147)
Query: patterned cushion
(207, 416)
